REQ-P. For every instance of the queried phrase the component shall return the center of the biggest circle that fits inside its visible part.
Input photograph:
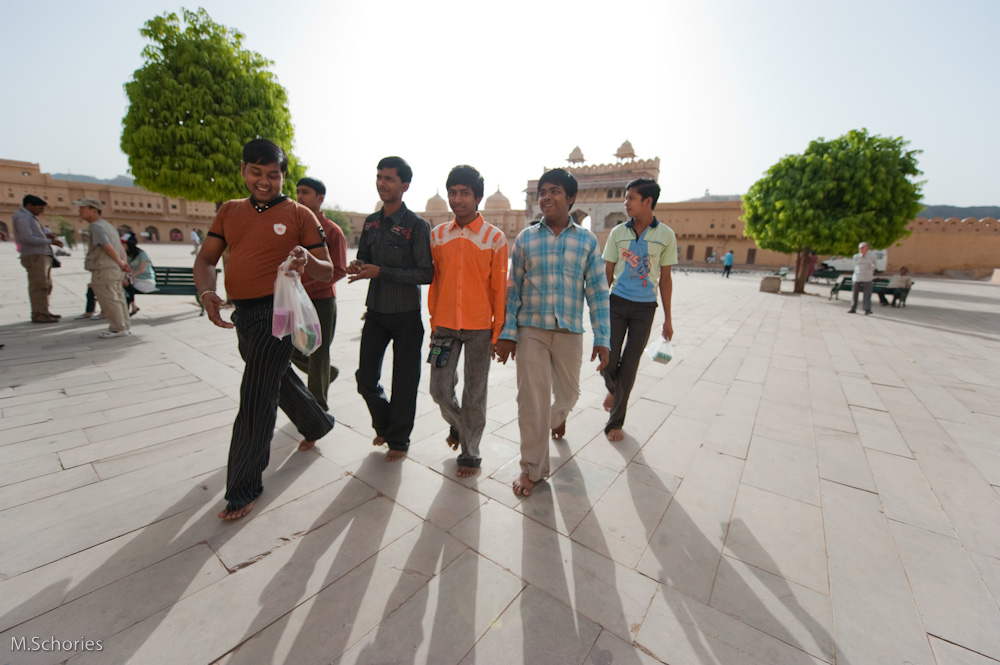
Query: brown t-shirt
(259, 242)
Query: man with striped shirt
(555, 265)
(466, 302)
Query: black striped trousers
(269, 382)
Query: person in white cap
(107, 265)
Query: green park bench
(881, 285)
(176, 282)
(826, 273)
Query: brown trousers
(548, 386)
(107, 286)
(39, 267)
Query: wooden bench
(176, 282)
(881, 285)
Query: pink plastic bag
(294, 313)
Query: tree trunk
(802, 269)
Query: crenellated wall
(940, 244)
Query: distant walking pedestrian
(727, 264)
(195, 240)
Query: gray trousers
(469, 419)
(866, 287)
(635, 319)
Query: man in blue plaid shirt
(555, 265)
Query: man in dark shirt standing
(394, 252)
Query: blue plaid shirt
(549, 278)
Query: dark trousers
(391, 419)
(130, 292)
(317, 365)
(269, 382)
(897, 295)
(726, 270)
(635, 319)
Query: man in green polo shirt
(637, 256)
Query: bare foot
(559, 432)
(523, 486)
(236, 513)
(378, 440)
(609, 402)
(306, 444)
(615, 435)
(452, 442)
(394, 455)
(466, 471)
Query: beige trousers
(39, 267)
(107, 285)
(548, 386)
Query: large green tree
(196, 101)
(833, 196)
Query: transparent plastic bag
(660, 350)
(294, 313)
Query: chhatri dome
(625, 151)
(575, 157)
(497, 201)
(436, 204)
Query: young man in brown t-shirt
(260, 233)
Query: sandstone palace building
(152, 217)
(706, 227)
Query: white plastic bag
(294, 313)
(660, 350)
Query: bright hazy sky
(718, 89)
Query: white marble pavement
(799, 486)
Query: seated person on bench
(898, 284)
